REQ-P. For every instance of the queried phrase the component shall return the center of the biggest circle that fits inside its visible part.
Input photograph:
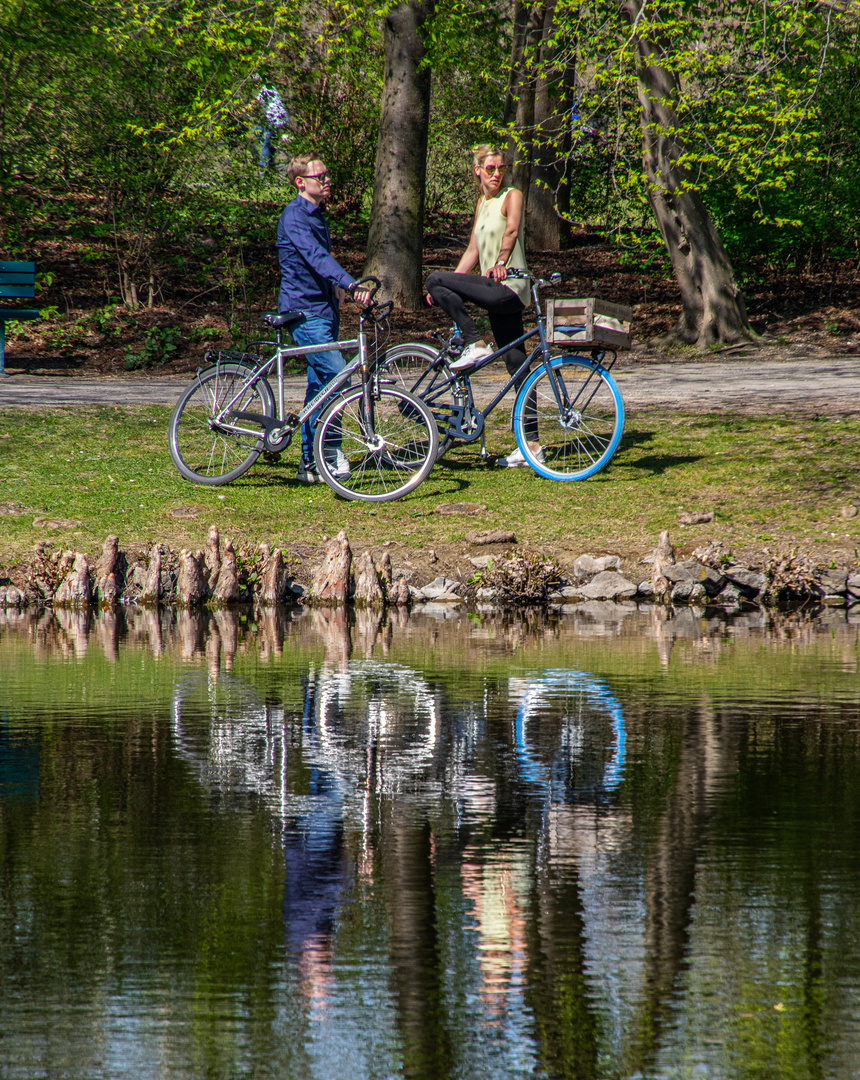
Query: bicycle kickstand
(484, 452)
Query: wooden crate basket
(590, 323)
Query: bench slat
(16, 291)
(18, 314)
(17, 279)
(18, 267)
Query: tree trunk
(395, 239)
(713, 306)
(520, 99)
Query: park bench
(17, 282)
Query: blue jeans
(322, 366)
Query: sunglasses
(321, 176)
(491, 170)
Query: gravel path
(757, 386)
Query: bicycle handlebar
(377, 285)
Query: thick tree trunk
(713, 306)
(395, 240)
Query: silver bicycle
(374, 441)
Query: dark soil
(211, 289)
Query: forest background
(698, 161)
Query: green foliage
(160, 346)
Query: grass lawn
(772, 482)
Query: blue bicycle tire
(579, 445)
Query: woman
(497, 245)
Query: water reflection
(325, 843)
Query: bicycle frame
(459, 383)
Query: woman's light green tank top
(490, 227)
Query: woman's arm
(512, 211)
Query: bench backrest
(17, 279)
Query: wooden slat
(18, 267)
(16, 291)
(585, 314)
(614, 311)
(16, 279)
(8, 314)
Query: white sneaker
(516, 458)
(338, 462)
(471, 355)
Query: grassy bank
(74, 476)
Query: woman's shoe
(471, 355)
(516, 458)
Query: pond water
(599, 844)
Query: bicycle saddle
(283, 318)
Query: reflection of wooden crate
(588, 323)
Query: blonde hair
(299, 164)
(481, 152)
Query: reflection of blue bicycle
(582, 763)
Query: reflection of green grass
(785, 479)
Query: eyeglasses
(321, 176)
(491, 170)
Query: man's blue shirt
(309, 274)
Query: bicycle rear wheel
(208, 452)
(580, 439)
(377, 457)
(405, 365)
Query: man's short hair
(299, 165)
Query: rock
(227, 589)
(747, 580)
(491, 536)
(692, 571)
(56, 523)
(331, 581)
(296, 589)
(212, 564)
(432, 557)
(695, 517)
(834, 582)
(688, 592)
(75, 590)
(481, 562)
(486, 594)
(608, 585)
(468, 508)
(151, 591)
(853, 585)
(11, 597)
(664, 555)
(645, 590)
(589, 565)
(571, 592)
(274, 578)
(368, 588)
(190, 585)
(440, 586)
(105, 590)
(730, 595)
(400, 595)
(849, 512)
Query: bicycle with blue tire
(571, 402)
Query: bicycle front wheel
(379, 456)
(579, 438)
(207, 450)
(405, 365)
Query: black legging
(505, 310)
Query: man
(314, 283)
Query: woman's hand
(498, 273)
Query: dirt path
(746, 385)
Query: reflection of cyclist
(497, 244)
(314, 283)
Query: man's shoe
(307, 474)
(516, 458)
(338, 462)
(471, 355)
